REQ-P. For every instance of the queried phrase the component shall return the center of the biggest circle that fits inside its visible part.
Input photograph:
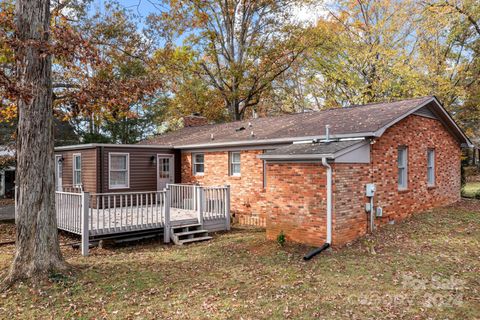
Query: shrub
(281, 239)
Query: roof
(95, 145)
(368, 120)
(313, 150)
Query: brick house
(307, 175)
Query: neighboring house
(7, 172)
(288, 174)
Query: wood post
(227, 207)
(16, 202)
(166, 203)
(84, 216)
(199, 198)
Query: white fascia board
(272, 141)
(382, 130)
(111, 145)
(296, 156)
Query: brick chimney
(194, 120)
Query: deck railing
(99, 214)
(128, 211)
(68, 207)
(182, 196)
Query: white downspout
(329, 200)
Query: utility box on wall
(370, 190)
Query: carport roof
(313, 150)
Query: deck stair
(188, 234)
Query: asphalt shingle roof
(349, 120)
(313, 148)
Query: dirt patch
(467, 205)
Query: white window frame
(113, 187)
(75, 169)
(231, 163)
(431, 166)
(194, 164)
(404, 168)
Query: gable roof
(370, 120)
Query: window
(198, 164)
(119, 164)
(402, 168)
(431, 167)
(234, 163)
(77, 169)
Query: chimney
(194, 120)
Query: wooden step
(181, 242)
(186, 233)
(187, 226)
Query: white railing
(215, 202)
(68, 207)
(183, 196)
(123, 212)
(99, 214)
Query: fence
(102, 214)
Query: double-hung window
(77, 169)
(431, 167)
(198, 164)
(402, 168)
(235, 163)
(118, 170)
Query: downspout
(328, 242)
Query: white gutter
(110, 145)
(329, 200)
(274, 141)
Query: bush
(281, 239)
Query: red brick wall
(247, 192)
(349, 216)
(294, 200)
(296, 195)
(296, 192)
(418, 134)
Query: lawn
(471, 189)
(424, 268)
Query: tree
(243, 45)
(37, 251)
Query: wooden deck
(97, 215)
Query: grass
(471, 189)
(424, 268)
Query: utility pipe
(328, 242)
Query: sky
(306, 14)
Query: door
(165, 171)
(58, 173)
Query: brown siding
(89, 168)
(143, 172)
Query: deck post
(227, 207)
(85, 234)
(166, 232)
(200, 204)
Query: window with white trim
(234, 160)
(431, 167)
(77, 169)
(402, 168)
(198, 163)
(118, 170)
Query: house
(7, 172)
(318, 177)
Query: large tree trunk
(37, 250)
